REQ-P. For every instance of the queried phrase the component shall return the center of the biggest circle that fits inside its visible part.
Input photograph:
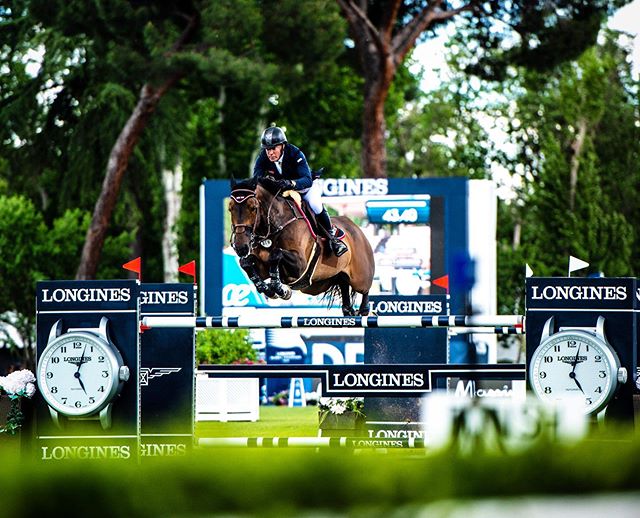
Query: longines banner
(167, 380)
(385, 380)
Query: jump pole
(498, 322)
(308, 442)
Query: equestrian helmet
(273, 136)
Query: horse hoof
(286, 293)
(348, 311)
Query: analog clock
(80, 373)
(576, 362)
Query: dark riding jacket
(294, 167)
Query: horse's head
(244, 207)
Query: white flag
(576, 264)
(528, 272)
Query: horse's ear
(232, 182)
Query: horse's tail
(334, 293)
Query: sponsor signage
(580, 293)
(354, 186)
(386, 380)
(577, 302)
(167, 380)
(69, 306)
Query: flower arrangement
(339, 406)
(16, 385)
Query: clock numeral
(589, 401)
(63, 349)
(64, 400)
(598, 390)
(49, 375)
(78, 404)
(572, 343)
(100, 359)
(92, 400)
(598, 358)
(101, 389)
(542, 375)
(77, 345)
(556, 348)
(547, 390)
(55, 360)
(602, 374)
(548, 359)
(105, 374)
(54, 390)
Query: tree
(538, 33)
(30, 251)
(576, 133)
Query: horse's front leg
(249, 265)
(280, 289)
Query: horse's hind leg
(347, 305)
(363, 310)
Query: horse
(279, 247)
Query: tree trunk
(116, 167)
(172, 180)
(576, 150)
(374, 128)
(119, 160)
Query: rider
(288, 165)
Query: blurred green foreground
(290, 482)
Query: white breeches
(313, 196)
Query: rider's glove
(286, 185)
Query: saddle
(309, 216)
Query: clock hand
(77, 373)
(572, 375)
(81, 361)
(575, 362)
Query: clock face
(78, 374)
(574, 364)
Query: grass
(275, 421)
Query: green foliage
(297, 482)
(224, 346)
(22, 253)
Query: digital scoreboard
(401, 210)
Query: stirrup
(338, 247)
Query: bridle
(240, 196)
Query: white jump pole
(502, 322)
(308, 442)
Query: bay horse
(281, 250)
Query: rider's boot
(337, 246)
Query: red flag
(443, 282)
(134, 266)
(189, 269)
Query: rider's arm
(262, 165)
(303, 172)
